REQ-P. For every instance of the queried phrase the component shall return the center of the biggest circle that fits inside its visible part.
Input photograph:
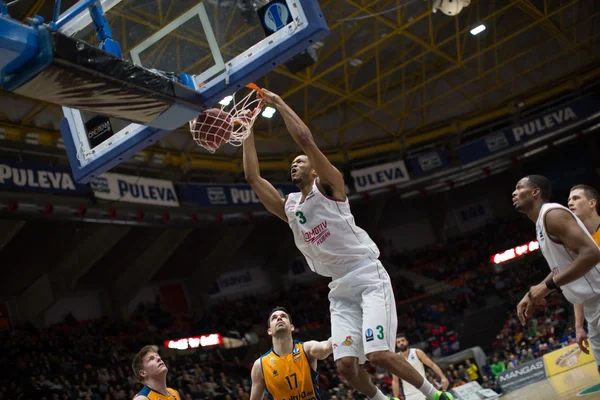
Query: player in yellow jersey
(289, 370)
(583, 202)
(150, 369)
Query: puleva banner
(133, 189)
(208, 195)
(534, 127)
(380, 176)
(564, 359)
(38, 178)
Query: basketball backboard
(221, 44)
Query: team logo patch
(369, 335)
(272, 361)
(296, 351)
(348, 341)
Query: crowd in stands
(92, 360)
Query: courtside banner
(38, 178)
(532, 128)
(380, 176)
(523, 375)
(134, 189)
(564, 359)
(207, 195)
(428, 162)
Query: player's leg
(592, 316)
(348, 353)
(379, 326)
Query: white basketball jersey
(325, 233)
(559, 258)
(413, 359)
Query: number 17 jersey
(289, 377)
(325, 233)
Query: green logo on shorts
(380, 335)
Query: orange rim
(253, 86)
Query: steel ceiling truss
(427, 48)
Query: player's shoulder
(174, 393)
(140, 397)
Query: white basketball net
(239, 120)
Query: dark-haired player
(289, 369)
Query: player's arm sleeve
(427, 361)
(268, 195)
(258, 382)
(318, 350)
(328, 174)
(563, 225)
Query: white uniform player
(362, 304)
(418, 359)
(567, 246)
(585, 290)
(361, 296)
(411, 392)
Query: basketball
(212, 128)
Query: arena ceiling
(390, 77)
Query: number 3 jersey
(325, 233)
(289, 377)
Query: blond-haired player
(583, 202)
(151, 370)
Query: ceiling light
(268, 112)
(226, 101)
(355, 62)
(477, 29)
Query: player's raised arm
(318, 350)
(328, 174)
(258, 382)
(266, 192)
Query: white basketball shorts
(363, 312)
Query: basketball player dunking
(567, 246)
(362, 304)
(583, 202)
(289, 369)
(150, 369)
(418, 359)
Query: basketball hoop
(214, 127)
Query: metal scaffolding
(389, 77)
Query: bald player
(583, 202)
